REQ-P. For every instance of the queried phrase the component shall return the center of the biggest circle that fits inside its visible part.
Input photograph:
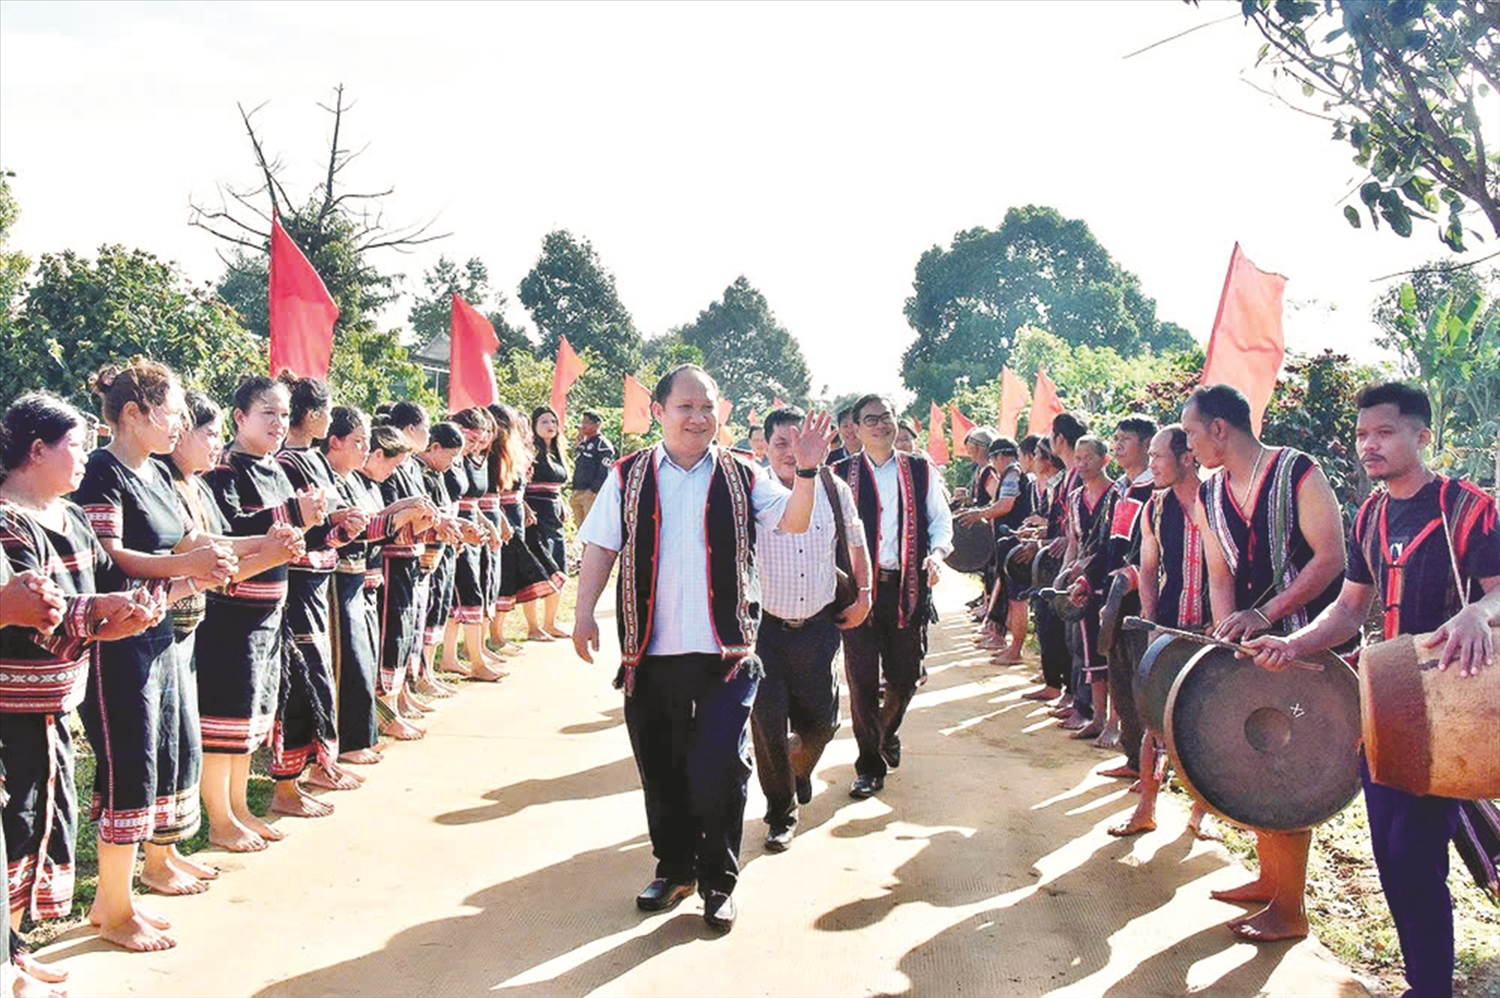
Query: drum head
(973, 546)
(1270, 750)
(1154, 676)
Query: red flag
(962, 426)
(568, 370)
(917, 423)
(637, 415)
(726, 438)
(302, 311)
(1246, 348)
(1013, 399)
(937, 444)
(1045, 406)
(471, 343)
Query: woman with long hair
(45, 665)
(145, 784)
(445, 447)
(307, 736)
(523, 578)
(359, 468)
(239, 686)
(467, 479)
(544, 534)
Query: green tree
(431, 311)
(751, 355)
(1405, 82)
(13, 263)
(80, 314)
(569, 293)
(1038, 268)
(338, 231)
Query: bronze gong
(1154, 676)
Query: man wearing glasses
(909, 532)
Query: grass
(1348, 912)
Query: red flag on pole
(937, 444)
(568, 370)
(471, 344)
(1045, 406)
(637, 415)
(962, 426)
(1246, 347)
(302, 311)
(1014, 398)
(726, 438)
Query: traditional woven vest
(912, 474)
(1282, 512)
(1464, 505)
(729, 525)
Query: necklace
(1255, 471)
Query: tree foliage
(751, 355)
(569, 293)
(80, 314)
(1038, 268)
(1406, 83)
(13, 263)
(432, 309)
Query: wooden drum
(1428, 731)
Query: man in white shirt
(909, 532)
(799, 635)
(682, 518)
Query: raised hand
(811, 444)
(32, 600)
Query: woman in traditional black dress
(45, 662)
(467, 478)
(143, 736)
(358, 579)
(504, 460)
(307, 736)
(524, 578)
(240, 684)
(544, 535)
(443, 484)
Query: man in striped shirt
(799, 635)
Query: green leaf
(1307, 89)
(1351, 215)
(1408, 298)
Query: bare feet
(1009, 657)
(1092, 729)
(27, 986)
(509, 648)
(556, 632)
(1270, 924)
(433, 688)
(266, 831)
(236, 838)
(402, 730)
(1138, 823)
(46, 973)
(190, 866)
(294, 803)
(1204, 828)
(1062, 712)
(1255, 892)
(361, 757)
(96, 919)
(172, 882)
(137, 934)
(1107, 739)
(1124, 771)
(1045, 693)
(1074, 722)
(335, 779)
(538, 636)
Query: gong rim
(1171, 653)
(973, 546)
(1338, 737)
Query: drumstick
(1142, 624)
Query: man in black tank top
(1274, 541)
(1412, 542)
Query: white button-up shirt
(939, 519)
(797, 576)
(681, 623)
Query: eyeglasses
(878, 419)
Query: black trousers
(879, 646)
(800, 689)
(1124, 657)
(690, 731)
(1051, 634)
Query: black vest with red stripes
(912, 476)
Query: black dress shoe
(804, 789)
(778, 839)
(891, 753)
(662, 894)
(866, 786)
(718, 911)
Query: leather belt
(796, 625)
(889, 574)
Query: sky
(818, 149)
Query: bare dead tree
(241, 219)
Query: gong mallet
(1142, 624)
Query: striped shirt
(797, 577)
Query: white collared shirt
(681, 623)
(797, 577)
(939, 519)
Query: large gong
(973, 546)
(1270, 750)
(1164, 659)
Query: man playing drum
(1409, 541)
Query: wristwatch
(808, 472)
